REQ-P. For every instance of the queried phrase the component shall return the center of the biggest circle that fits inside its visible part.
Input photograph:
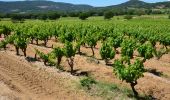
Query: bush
(42, 17)
(129, 72)
(53, 16)
(87, 82)
(128, 17)
(83, 16)
(108, 15)
(169, 16)
(107, 52)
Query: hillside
(40, 6)
(43, 5)
(142, 4)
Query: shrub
(129, 72)
(69, 52)
(53, 16)
(83, 16)
(128, 17)
(87, 82)
(107, 52)
(59, 53)
(108, 15)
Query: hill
(43, 5)
(142, 4)
(40, 6)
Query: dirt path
(32, 83)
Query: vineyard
(132, 54)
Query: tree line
(53, 15)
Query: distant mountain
(141, 4)
(40, 6)
(134, 4)
(44, 5)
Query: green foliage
(146, 50)
(5, 30)
(108, 15)
(67, 36)
(83, 16)
(16, 17)
(87, 82)
(53, 16)
(10, 39)
(3, 44)
(129, 73)
(42, 55)
(78, 46)
(165, 39)
(107, 52)
(128, 17)
(20, 42)
(115, 42)
(59, 53)
(127, 47)
(43, 17)
(169, 17)
(153, 39)
(47, 58)
(91, 41)
(69, 50)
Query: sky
(95, 2)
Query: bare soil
(20, 79)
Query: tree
(43, 35)
(83, 16)
(47, 58)
(165, 40)
(108, 15)
(16, 17)
(20, 43)
(70, 52)
(129, 72)
(107, 52)
(59, 53)
(53, 15)
(66, 36)
(78, 46)
(115, 42)
(42, 17)
(128, 17)
(3, 44)
(92, 42)
(146, 50)
(127, 47)
(5, 30)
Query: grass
(101, 20)
(109, 91)
(106, 91)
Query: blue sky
(95, 2)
